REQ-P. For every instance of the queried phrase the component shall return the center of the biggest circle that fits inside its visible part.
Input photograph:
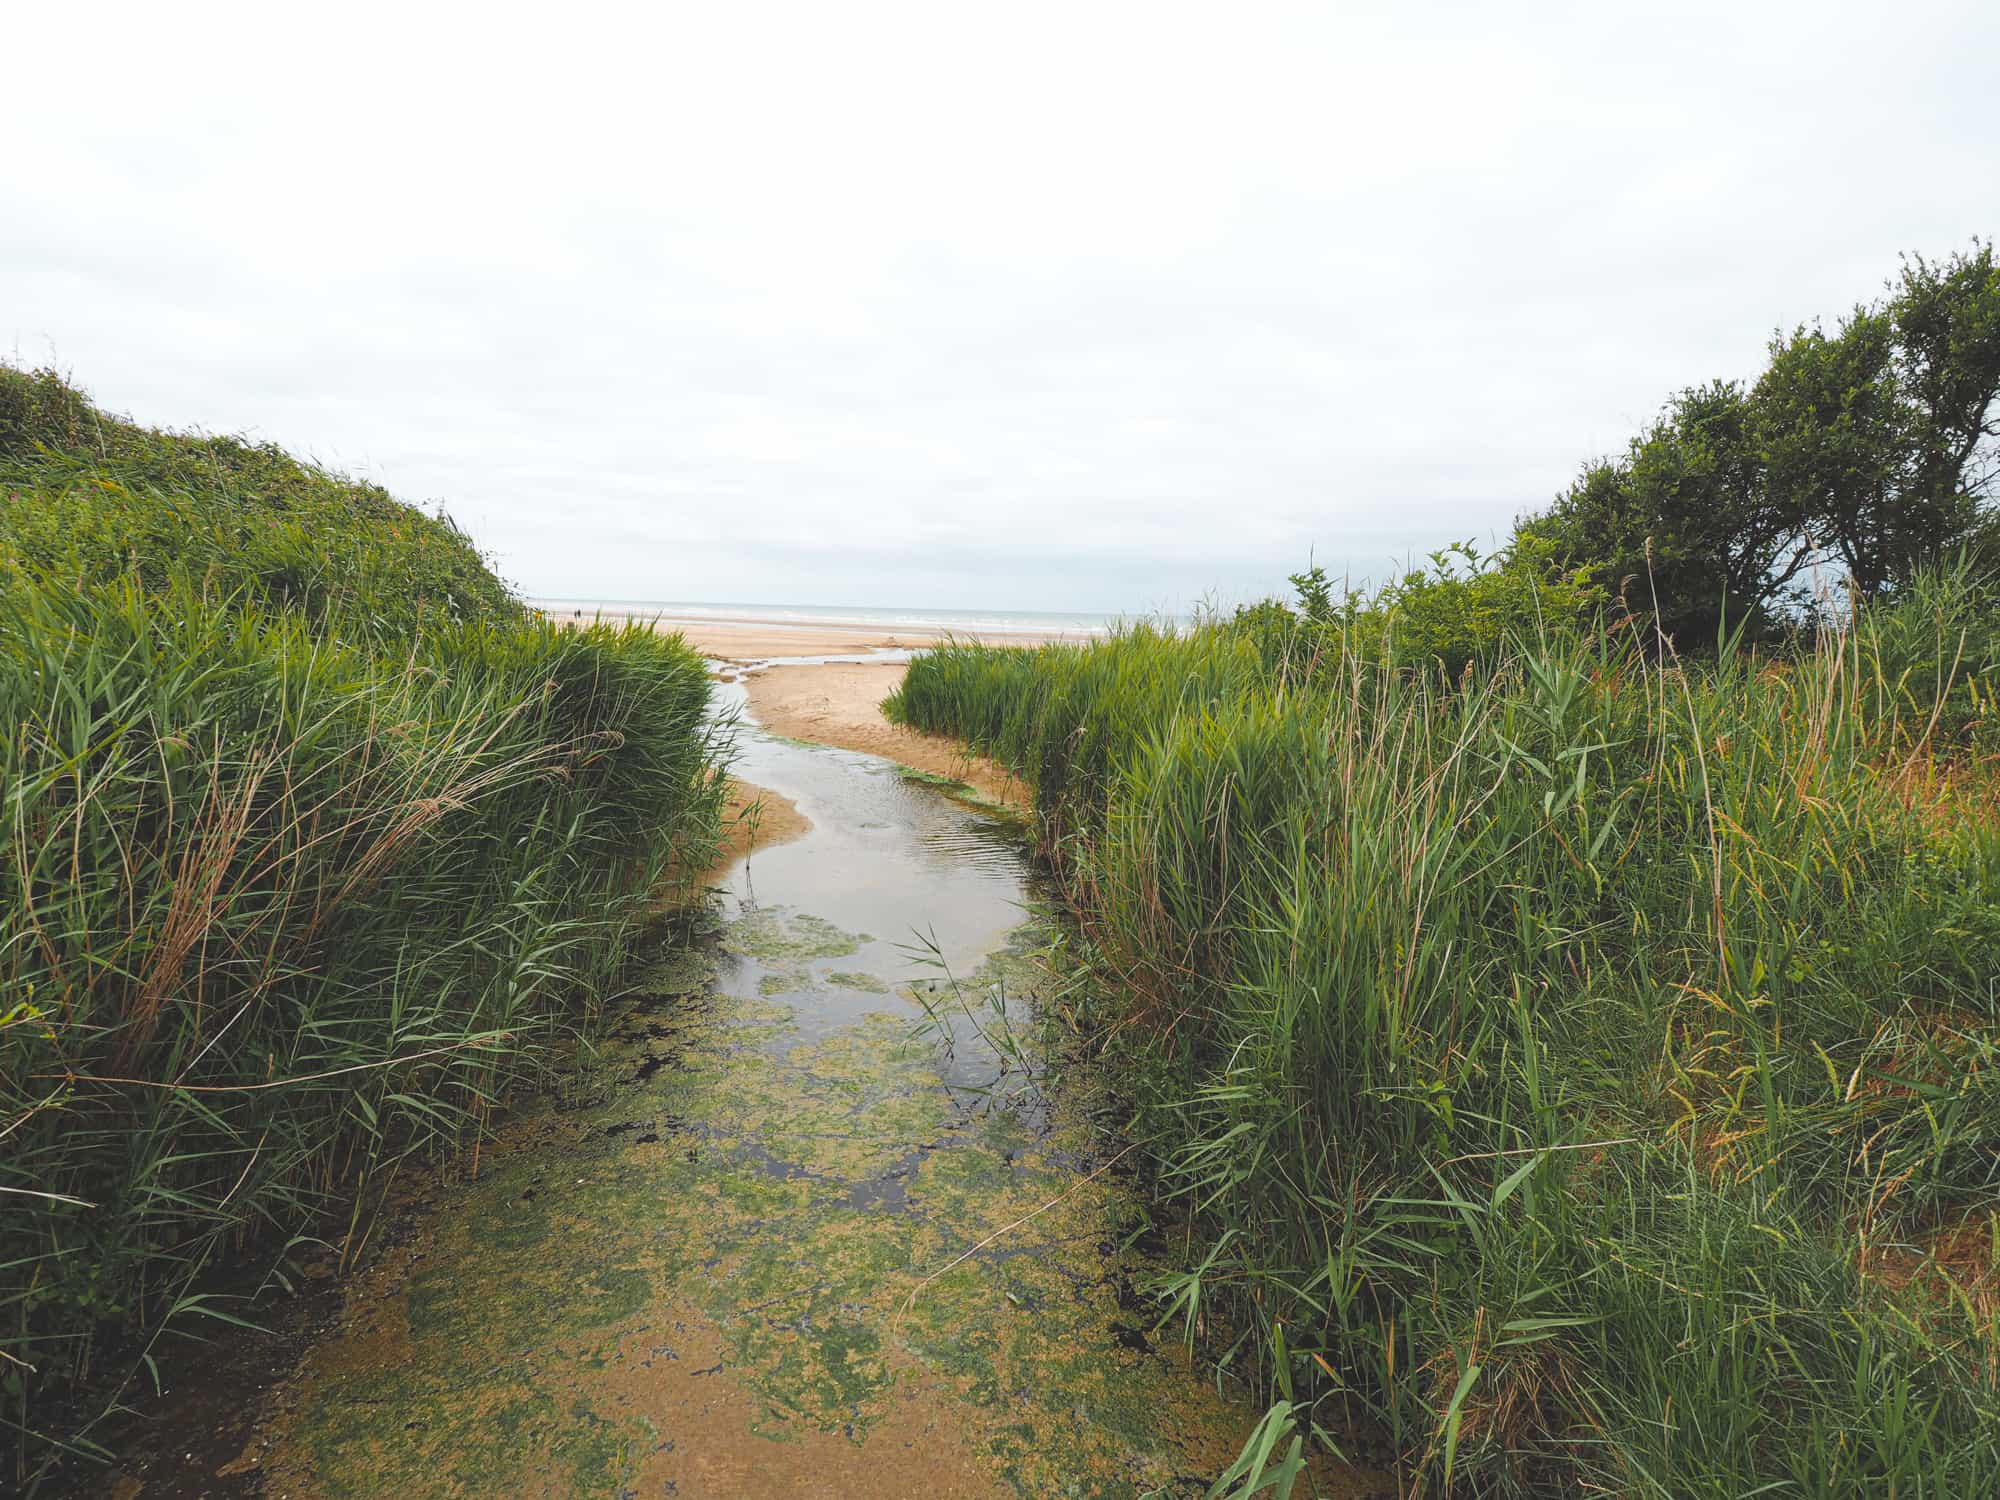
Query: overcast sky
(1078, 305)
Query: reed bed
(1578, 1071)
(317, 848)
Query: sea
(887, 620)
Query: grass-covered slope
(315, 845)
(1585, 1071)
(93, 500)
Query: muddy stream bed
(793, 1237)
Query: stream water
(797, 1240)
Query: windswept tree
(1870, 450)
(1686, 524)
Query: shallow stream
(798, 1239)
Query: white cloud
(1080, 305)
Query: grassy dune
(1578, 1069)
(316, 846)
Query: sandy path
(837, 704)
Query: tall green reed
(1546, 1057)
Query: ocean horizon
(885, 618)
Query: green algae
(527, 1431)
(872, 984)
(675, 972)
(769, 934)
(949, 784)
(807, 1235)
(513, 1225)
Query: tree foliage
(1868, 450)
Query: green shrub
(1462, 610)
(1866, 451)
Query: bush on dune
(1459, 609)
(317, 846)
(1858, 460)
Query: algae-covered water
(797, 1241)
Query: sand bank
(836, 703)
(755, 818)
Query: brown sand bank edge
(754, 818)
(838, 703)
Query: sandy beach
(829, 703)
(745, 639)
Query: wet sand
(755, 818)
(838, 703)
